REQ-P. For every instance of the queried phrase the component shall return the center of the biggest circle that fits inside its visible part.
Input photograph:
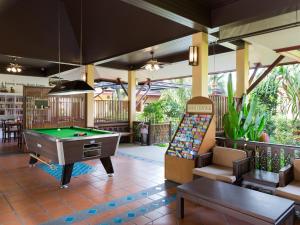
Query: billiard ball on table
(80, 134)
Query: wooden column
(132, 96)
(200, 72)
(242, 70)
(90, 75)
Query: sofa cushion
(216, 172)
(291, 191)
(296, 165)
(225, 156)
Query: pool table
(68, 145)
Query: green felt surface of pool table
(68, 132)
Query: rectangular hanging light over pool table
(71, 88)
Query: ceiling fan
(153, 64)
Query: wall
(19, 81)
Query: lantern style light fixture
(193, 55)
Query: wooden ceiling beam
(257, 65)
(239, 11)
(119, 81)
(177, 57)
(188, 13)
(293, 54)
(265, 73)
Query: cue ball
(58, 129)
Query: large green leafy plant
(290, 78)
(242, 121)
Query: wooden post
(90, 74)
(200, 72)
(242, 70)
(132, 97)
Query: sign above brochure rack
(199, 108)
(200, 105)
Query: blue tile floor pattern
(104, 207)
(80, 168)
(140, 158)
(142, 210)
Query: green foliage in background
(154, 112)
(244, 122)
(217, 83)
(279, 98)
(170, 106)
(284, 132)
(290, 82)
(267, 96)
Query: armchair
(223, 164)
(289, 182)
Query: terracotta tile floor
(30, 196)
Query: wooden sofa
(223, 164)
(289, 183)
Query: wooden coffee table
(261, 180)
(242, 203)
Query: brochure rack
(195, 135)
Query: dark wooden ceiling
(170, 52)
(112, 28)
(33, 67)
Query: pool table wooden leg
(33, 161)
(66, 175)
(107, 164)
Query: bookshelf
(11, 106)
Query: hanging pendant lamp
(70, 87)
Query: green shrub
(284, 131)
(154, 112)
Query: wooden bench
(244, 204)
(120, 127)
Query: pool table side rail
(61, 150)
(77, 138)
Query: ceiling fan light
(148, 67)
(19, 70)
(8, 69)
(156, 67)
(14, 70)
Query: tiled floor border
(104, 207)
(142, 210)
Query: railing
(220, 105)
(267, 156)
(110, 111)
